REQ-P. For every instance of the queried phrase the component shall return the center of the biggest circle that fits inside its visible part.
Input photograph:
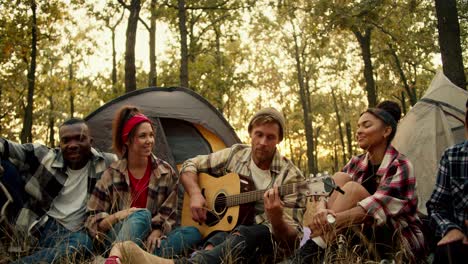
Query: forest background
(321, 62)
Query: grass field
(352, 247)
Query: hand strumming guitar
(198, 207)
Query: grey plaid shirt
(45, 175)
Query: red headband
(131, 123)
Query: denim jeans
(454, 252)
(57, 242)
(179, 242)
(252, 243)
(135, 227)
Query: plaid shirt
(448, 205)
(112, 194)
(45, 175)
(395, 201)
(237, 159)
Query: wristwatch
(331, 219)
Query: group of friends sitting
(80, 202)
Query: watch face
(331, 219)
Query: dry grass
(343, 250)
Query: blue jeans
(254, 243)
(179, 241)
(135, 228)
(57, 242)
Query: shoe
(310, 252)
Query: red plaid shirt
(395, 200)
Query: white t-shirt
(69, 207)
(262, 180)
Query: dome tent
(190, 124)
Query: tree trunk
(70, 89)
(365, 44)
(51, 123)
(114, 54)
(1, 115)
(316, 143)
(130, 70)
(403, 102)
(404, 80)
(26, 132)
(184, 75)
(114, 65)
(449, 41)
(219, 67)
(305, 111)
(340, 129)
(349, 137)
(335, 159)
(152, 78)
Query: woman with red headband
(136, 198)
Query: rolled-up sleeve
(99, 202)
(214, 164)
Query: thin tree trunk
(219, 88)
(130, 70)
(340, 128)
(26, 132)
(70, 89)
(316, 143)
(404, 80)
(114, 54)
(403, 102)
(335, 159)
(449, 41)
(184, 75)
(51, 123)
(152, 78)
(1, 115)
(305, 110)
(349, 138)
(114, 64)
(365, 44)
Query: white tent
(434, 123)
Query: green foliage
(241, 57)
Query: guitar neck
(253, 196)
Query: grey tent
(433, 124)
(190, 124)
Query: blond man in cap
(275, 225)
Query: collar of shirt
(121, 166)
(390, 154)
(274, 166)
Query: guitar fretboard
(253, 196)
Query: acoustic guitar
(227, 206)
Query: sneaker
(112, 260)
(310, 252)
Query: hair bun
(392, 108)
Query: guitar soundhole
(219, 209)
(220, 203)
